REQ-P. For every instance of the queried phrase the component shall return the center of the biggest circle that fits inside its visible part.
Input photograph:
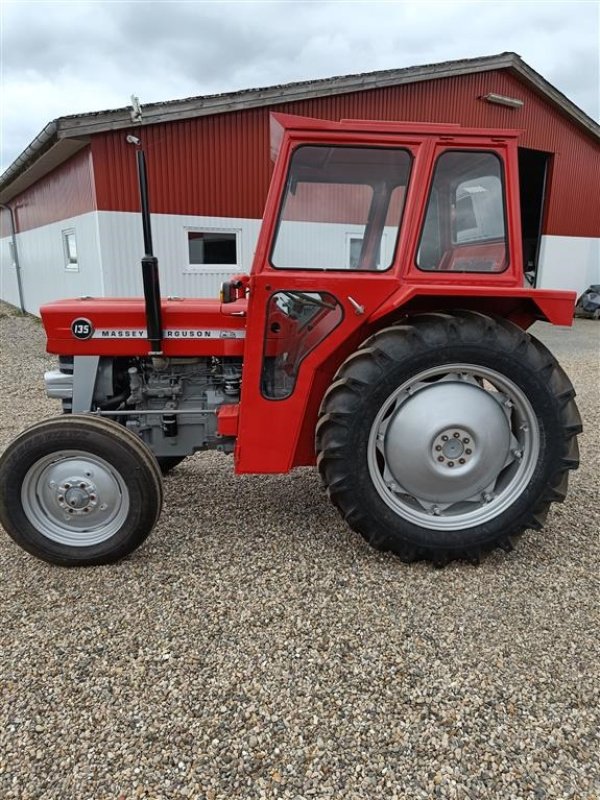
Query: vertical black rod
(149, 265)
(144, 202)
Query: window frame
(69, 266)
(405, 148)
(507, 261)
(196, 269)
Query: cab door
(326, 259)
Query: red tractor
(381, 335)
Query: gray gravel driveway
(255, 648)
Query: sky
(60, 58)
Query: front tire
(79, 490)
(447, 436)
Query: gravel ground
(256, 648)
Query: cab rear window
(465, 223)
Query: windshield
(342, 208)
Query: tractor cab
(364, 222)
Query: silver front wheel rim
(453, 447)
(75, 498)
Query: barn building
(70, 224)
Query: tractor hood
(117, 327)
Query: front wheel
(79, 490)
(448, 436)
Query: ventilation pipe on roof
(13, 237)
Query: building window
(211, 248)
(355, 244)
(70, 250)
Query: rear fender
(521, 305)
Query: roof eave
(549, 91)
(236, 101)
(55, 152)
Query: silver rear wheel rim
(75, 498)
(453, 447)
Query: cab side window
(465, 228)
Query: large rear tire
(78, 490)
(447, 436)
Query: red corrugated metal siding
(219, 166)
(65, 192)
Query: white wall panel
(324, 245)
(568, 262)
(42, 261)
(122, 250)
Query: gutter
(32, 152)
(15, 256)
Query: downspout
(15, 255)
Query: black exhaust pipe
(149, 266)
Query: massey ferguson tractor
(380, 335)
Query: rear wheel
(78, 490)
(448, 436)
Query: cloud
(69, 57)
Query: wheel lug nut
(451, 463)
(438, 447)
(456, 435)
(468, 452)
(440, 458)
(466, 440)
(461, 461)
(444, 438)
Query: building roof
(64, 136)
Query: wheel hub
(76, 498)
(447, 442)
(452, 447)
(77, 495)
